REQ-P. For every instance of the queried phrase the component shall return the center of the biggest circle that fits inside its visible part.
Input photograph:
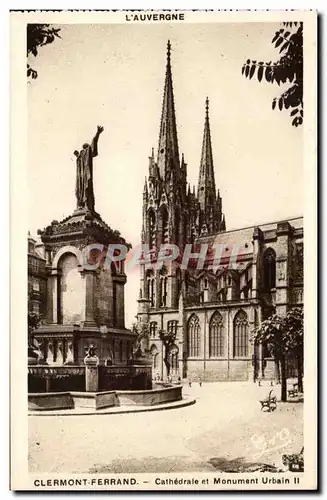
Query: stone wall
(219, 370)
(50, 401)
(98, 401)
(150, 398)
(56, 378)
(103, 296)
(72, 378)
(125, 378)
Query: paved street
(223, 430)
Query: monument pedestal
(85, 302)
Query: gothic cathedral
(209, 310)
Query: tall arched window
(165, 234)
(153, 328)
(216, 336)
(177, 225)
(240, 335)
(172, 327)
(150, 287)
(178, 284)
(269, 270)
(152, 229)
(193, 337)
(163, 286)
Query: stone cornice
(81, 225)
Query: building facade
(213, 303)
(37, 278)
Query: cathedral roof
(240, 240)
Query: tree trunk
(299, 372)
(284, 379)
(277, 371)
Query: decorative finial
(207, 107)
(168, 50)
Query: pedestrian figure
(189, 382)
(200, 382)
(179, 380)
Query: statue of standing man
(84, 173)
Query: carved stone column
(257, 238)
(60, 353)
(70, 353)
(50, 354)
(282, 267)
(89, 277)
(53, 300)
(91, 373)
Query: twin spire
(209, 202)
(168, 154)
(206, 185)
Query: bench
(293, 393)
(270, 402)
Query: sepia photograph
(167, 335)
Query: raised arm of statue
(94, 144)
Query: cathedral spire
(206, 185)
(223, 224)
(168, 155)
(210, 213)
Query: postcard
(163, 250)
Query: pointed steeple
(209, 201)
(223, 225)
(168, 155)
(206, 185)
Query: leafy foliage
(38, 35)
(283, 337)
(270, 332)
(288, 69)
(293, 331)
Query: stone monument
(85, 304)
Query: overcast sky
(113, 75)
